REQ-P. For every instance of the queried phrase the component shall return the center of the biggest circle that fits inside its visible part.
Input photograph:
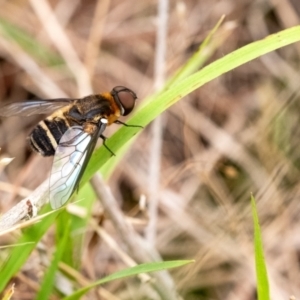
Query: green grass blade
(261, 270)
(143, 268)
(62, 221)
(49, 278)
(19, 255)
(31, 45)
(79, 224)
(164, 100)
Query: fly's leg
(102, 123)
(104, 138)
(122, 123)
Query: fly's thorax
(114, 111)
(92, 108)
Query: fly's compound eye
(125, 98)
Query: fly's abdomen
(45, 136)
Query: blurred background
(235, 136)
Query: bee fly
(71, 133)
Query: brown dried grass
(236, 135)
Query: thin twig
(156, 147)
(26, 208)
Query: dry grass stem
(157, 126)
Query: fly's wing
(32, 107)
(71, 157)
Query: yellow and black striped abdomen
(46, 135)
